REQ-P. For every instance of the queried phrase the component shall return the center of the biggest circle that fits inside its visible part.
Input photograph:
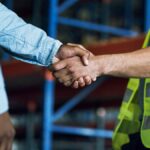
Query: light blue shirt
(3, 95)
(25, 42)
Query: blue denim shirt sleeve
(3, 95)
(25, 41)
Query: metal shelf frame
(49, 117)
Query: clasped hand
(76, 66)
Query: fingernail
(86, 62)
(94, 79)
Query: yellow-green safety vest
(134, 114)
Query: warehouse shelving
(29, 82)
(49, 117)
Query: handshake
(75, 66)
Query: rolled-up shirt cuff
(3, 101)
(48, 55)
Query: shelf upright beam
(129, 14)
(52, 18)
(54, 11)
(147, 15)
(48, 112)
(49, 82)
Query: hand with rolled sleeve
(7, 131)
(70, 51)
(32, 45)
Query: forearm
(25, 41)
(133, 64)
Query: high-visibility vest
(134, 114)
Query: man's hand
(70, 50)
(71, 70)
(7, 132)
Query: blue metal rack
(147, 15)
(49, 117)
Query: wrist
(4, 114)
(100, 65)
(112, 64)
(58, 54)
(96, 66)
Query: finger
(94, 79)
(81, 52)
(81, 82)
(85, 59)
(59, 65)
(55, 60)
(67, 78)
(9, 145)
(63, 76)
(60, 73)
(68, 83)
(85, 55)
(3, 145)
(87, 80)
(60, 80)
(81, 46)
(75, 85)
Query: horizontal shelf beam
(77, 99)
(67, 4)
(97, 27)
(83, 131)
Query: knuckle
(76, 48)
(10, 134)
(67, 83)
(1, 137)
(91, 54)
(56, 67)
(60, 80)
(79, 45)
(75, 75)
(71, 69)
(56, 74)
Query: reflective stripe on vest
(128, 117)
(145, 128)
(130, 112)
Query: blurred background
(49, 116)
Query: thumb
(59, 65)
(82, 52)
(85, 59)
